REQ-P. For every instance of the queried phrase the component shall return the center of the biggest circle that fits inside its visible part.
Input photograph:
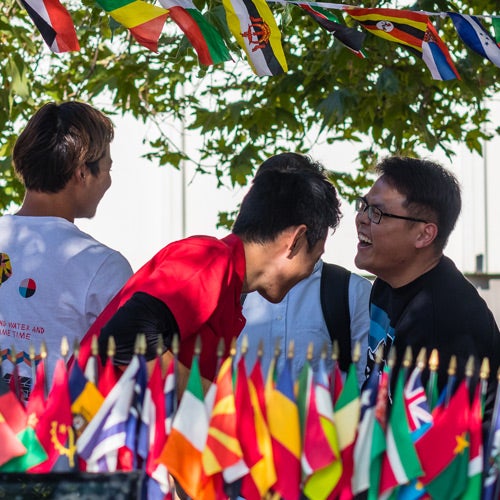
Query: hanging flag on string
(255, 29)
(476, 36)
(496, 28)
(205, 39)
(350, 37)
(144, 20)
(412, 30)
(54, 23)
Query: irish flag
(182, 453)
(204, 38)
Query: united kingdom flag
(417, 408)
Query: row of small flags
(316, 437)
(253, 25)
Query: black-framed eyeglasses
(375, 214)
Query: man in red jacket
(192, 287)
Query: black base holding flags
(71, 485)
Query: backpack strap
(334, 294)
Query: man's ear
(298, 239)
(427, 235)
(80, 173)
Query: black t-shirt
(441, 309)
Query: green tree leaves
(328, 94)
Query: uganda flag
(144, 20)
(255, 29)
(412, 30)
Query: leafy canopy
(328, 93)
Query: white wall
(143, 209)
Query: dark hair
(431, 191)
(58, 139)
(288, 190)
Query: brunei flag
(143, 20)
(204, 38)
(255, 29)
(412, 30)
(54, 23)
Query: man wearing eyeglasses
(419, 298)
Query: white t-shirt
(54, 282)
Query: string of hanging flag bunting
(252, 24)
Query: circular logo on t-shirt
(5, 268)
(27, 288)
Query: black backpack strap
(334, 293)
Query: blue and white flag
(106, 433)
(136, 438)
(476, 36)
